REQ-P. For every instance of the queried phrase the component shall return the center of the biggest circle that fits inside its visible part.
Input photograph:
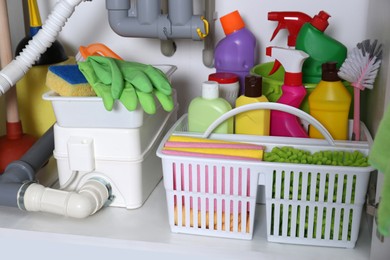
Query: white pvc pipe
(15, 70)
(89, 199)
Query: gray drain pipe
(147, 20)
(19, 172)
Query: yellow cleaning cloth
(248, 153)
(206, 147)
(180, 138)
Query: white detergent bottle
(204, 110)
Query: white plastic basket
(91, 112)
(305, 204)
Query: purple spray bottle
(282, 123)
(236, 53)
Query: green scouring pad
(67, 80)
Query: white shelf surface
(144, 233)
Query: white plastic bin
(124, 157)
(89, 112)
(306, 204)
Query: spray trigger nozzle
(277, 29)
(277, 63)
(292, 21)
(275, 68)
(292, 61)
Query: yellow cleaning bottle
(255, 122)
(329, 103)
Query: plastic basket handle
(272, 106)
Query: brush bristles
(362, 65)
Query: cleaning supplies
(229, 85)
(256, 122)
(329, 103)
(379, 159)
(68, 81)
(320, 47)
(203, 110)
(282, 123)
(292, 21)
(236, 53)
(360, 68)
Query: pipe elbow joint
(92, 196)
(79, 206)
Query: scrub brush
(360, 68)
(95, 49)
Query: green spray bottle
(321, 47)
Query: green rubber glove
(129, 82)
(379, 159)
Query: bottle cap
(224, 77)
(210, 90)
(329, 71)
(253, 86)
(232, 22)
(320, 21)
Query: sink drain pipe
(19, 189)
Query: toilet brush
(360, 68)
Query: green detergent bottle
(321, 47)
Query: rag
(379, 159)
(113, 79)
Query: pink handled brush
(360, 68)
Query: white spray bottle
(282, 123)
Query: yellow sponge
(67, 80)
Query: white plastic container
(123, 157)
(91, 113)
(306, 204)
